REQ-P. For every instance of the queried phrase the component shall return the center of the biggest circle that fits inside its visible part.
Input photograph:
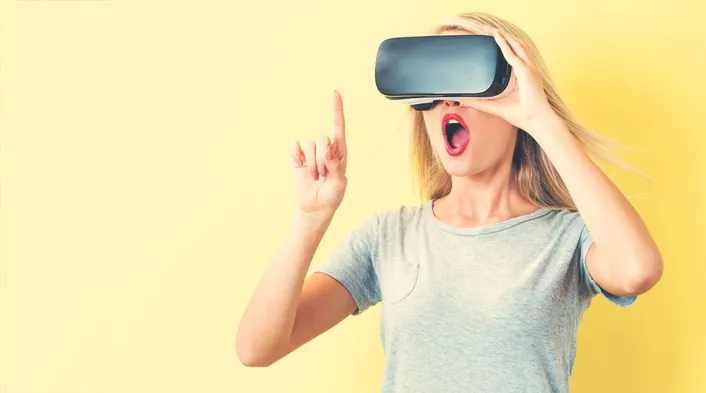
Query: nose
(451, 103)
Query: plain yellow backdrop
(146, 180)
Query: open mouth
(456, 134)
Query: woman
(483, 285)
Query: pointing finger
(339, 121)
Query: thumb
(336, 164)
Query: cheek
(494, 142)
(430, 118)
(433, 126)
(493, 129)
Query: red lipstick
(456, 134)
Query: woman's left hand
(525, 103)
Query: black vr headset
(423, 70)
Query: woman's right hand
(320, 168)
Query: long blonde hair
(537, 178)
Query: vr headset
(423, 70)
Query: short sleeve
(587, 281)
(352, 263)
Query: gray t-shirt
(486, 309)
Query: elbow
(250, 354)
(250, 357)
(646, 274)
(251, 361)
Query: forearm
(624, 241)
(269, 317)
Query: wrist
(560, 145)
(547, 126)
(315, 221)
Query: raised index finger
(339, 121)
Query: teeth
(452, 121)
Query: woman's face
(469, 142)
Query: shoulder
(546, 227)
(562, 220)
(389, 221)
(403, 215)
(547, 223)
(563, 229)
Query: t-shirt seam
(489, 231)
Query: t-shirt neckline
(484, 229)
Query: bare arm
(286, 310)
(624, 259)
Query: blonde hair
(537, 178)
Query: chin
(462, 168)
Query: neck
(487, 197)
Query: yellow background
(146, 180)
